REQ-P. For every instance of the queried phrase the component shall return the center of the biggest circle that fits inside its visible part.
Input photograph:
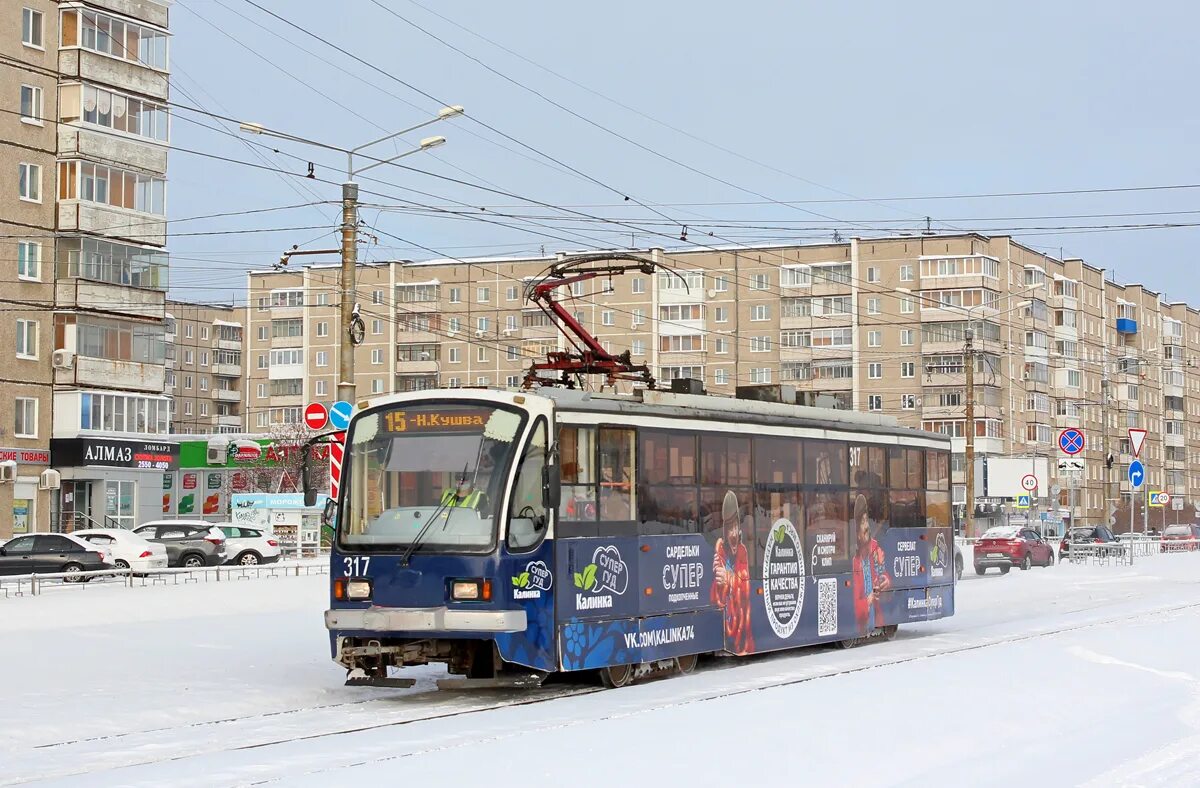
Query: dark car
(190, 544)
(1007, 546)
(1180, 538)
(1095, 534)
(52, 553)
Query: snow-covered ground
(1067, 675)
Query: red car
(1007, 546)
(1180, 538)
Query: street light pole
(969, 359)
(351, 326)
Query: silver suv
(190, 543)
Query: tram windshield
(432, 473)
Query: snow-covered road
(1067, 675)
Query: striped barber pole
(336, 448)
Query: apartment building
(85, 146)
(204, 367)
(876, 325)
(28, 80)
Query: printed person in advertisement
(869, 578)
(731, 578)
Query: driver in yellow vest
(463, 496)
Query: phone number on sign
(158, 462)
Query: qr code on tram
(827, 607)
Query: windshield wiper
(442, 505)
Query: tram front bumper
(425, 619)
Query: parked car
(1096, 534)
(189, 543)
(249, 546)
(128, 550)
(1007, 546)
(51, 553)
(1180, 538)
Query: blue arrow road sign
(339, 414)
(1137, 474)
(1071, 441)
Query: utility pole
(346, 388)
(969, 360)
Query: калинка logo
(606, 573)
(530, 583)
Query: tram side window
(937, 498)
(825, 463)
(724, 468)
(668, 498)
(618, 498)
(937, 466)
(907, 495)
(528, 518)
(868, 477)
(577, 457)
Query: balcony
(112, 148)
(229, 421)
(1126, 325)
(94, 67)
(226, 395)
(417, 367)
(102, 373)
(104, 297)
(227, 370)
(228, 344)
(76, 216)
(1178, 441)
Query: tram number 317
(357, 567)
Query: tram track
(249, 734)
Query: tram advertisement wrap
(596, 644)
(531, 582)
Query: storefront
(111, 482)
(30, 506)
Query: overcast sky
(829, 101)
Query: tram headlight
(358, 590)
(472, 590)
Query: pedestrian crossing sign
(1022, 501)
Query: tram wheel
(851, 643)
(889, 632)
(616, 676)
(687, 664)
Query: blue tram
(511, 535)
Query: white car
(126, 549)
(249, 546)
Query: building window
(203, 408)
(906, 305)
(322, 358)
(720, 283)
(29, 186)
(875, 370)
(204, 358)
(874, 338)
(31, 105)
(101, 107)
(906, 273)
(760, 375)
(511, 294)
(721, 345)
(452, 382)
(187, 408)
(639, 347)
(263, 419)
(639, 316)
(513, 353)
(639, 285)
(116, 37)
(377, 355)
(720, 314)
(27, 339)
(204, 332)
(669, 343)
(262, 360)
(720, 377)
(319, 388)
(908, 401)
(606, 317)
(795, 276)
(112, 186)
(760, 344)
(872, 274)
(483, 294)
(452, 355)
(287, 387)
(908, 369)
(760, 312)
(187, 381)
(872, 306)
(263, 333)
(874, 402)
(512, 381)
(510, 323)
(376, 296)
(906, 337)
(481, 381)
(481, 324)
(481, 354)
(323, 329)
(456, 295)
(288, 327)
(26, 418)
(29, 260)
(377, 385)
(31, 28)
(759, 281)
(204, 383)
(262, 390)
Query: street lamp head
(450, 112)
(251, 128)
(431, 142)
